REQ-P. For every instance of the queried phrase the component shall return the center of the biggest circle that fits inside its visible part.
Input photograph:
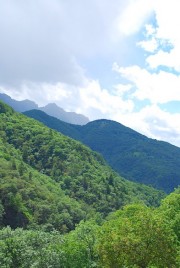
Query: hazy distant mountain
(50, 109)
(132, 154)
(70, 117)
(19, 106)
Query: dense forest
(135, 236)
(61, 205)
(131, 154)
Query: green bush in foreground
(134, 237)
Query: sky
(118, 60)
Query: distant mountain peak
(53, 105)
(51, 109)
(19, 106)
(54, 110)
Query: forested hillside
(61, 206)
(47, 178)
(132, 155)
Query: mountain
(69, 117)
(19, 106)
(131, 154)
(50, 180)
(56, 124)
(51, 109)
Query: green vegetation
(131, 154)
(50, 179)
(134, 237)
(62, 206)
(29, 198)
(137, 237)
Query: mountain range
(133, 155)
(51, 109)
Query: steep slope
(135, 156)
(31, 199)
(51, 179)
(54, 123)
(132, 155)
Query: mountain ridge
(51, 109)
(133, 155)
(54, 110)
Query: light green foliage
(137, 237)
(37, 249)
(134, 237)
(170, 209)
(80, 246)
(24, 249)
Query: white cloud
(90, 99)
(149, 46)
(45, 40)
(168, 20)
(154, 123)
(168, 59)
(162, 125)
(150, 30)
(134, 16)
(163, 39)
(41, 93)
(122, 89)
(159, 83)
(159, 87)
(99, 99)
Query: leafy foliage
(29, 198)
(137, 237)
(134, 237)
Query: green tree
(1, 212)
(170, 210)
(137, 237)
(80, 246)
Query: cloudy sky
(117, 59)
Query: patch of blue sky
(163, 68)
(171, 106)
(165, 45)
(139, 105)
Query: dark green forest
(131, 154)
(61, 205)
